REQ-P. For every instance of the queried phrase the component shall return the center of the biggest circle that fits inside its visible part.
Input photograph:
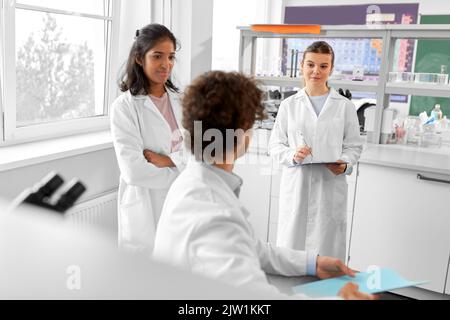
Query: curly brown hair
(221, 101)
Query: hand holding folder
(381, 280)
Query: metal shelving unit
(364, 86)
(419, 89)
(387, 33)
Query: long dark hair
(133, 77)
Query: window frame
(14, 135)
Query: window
(57, 62)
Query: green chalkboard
(430, 55)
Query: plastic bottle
(437, 112)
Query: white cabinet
(255, 170)
(403, 223)
(447, 290)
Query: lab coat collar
(176, 106)
(333, 94)
(174, 103)
(170, 93)
(232, 180)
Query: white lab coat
(313, 201)
(137, 124)
(204, 228)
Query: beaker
(394, 76)
(442, 78)
(412, 130)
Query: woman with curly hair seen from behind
(203, 227)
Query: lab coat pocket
(136, 220)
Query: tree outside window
(54, 77)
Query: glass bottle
(437, 112)
(443, 76)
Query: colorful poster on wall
(355, 53)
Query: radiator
(99, 212)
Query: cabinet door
(255, 170)
(447, 287)
(402, 223)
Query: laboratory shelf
(419, 89)
(402, 31)
(388, 34)
(362, 86)
(345, 31)
(281, 81)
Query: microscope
(51, 193)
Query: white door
(402, 223)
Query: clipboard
(315, 163)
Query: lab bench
(401, 216)
(435, 160)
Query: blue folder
(381, 280)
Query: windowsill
(17, 156)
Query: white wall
(425, 6)
(97, 170)
(133, 15)
(192, 26)
(225, 54)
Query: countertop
(435, 160)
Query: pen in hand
(307, 144)
(302, 152)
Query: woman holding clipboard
(316, 125)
